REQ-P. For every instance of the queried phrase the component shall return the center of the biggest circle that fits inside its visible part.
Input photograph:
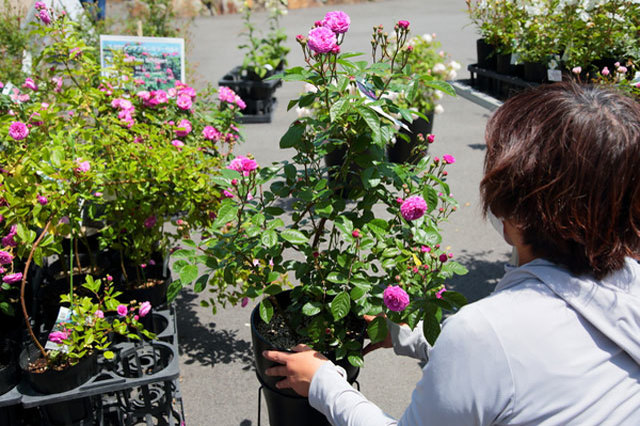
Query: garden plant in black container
(346, 258)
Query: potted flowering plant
(265, 55)
(350, 259)
(431, 68)
(93, 167)
(69, 358)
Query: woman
(558, 342)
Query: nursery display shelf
(465, 90)
(108, 380)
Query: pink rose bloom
(236, 164)
(185, 128)
(18, 130)
(448, 159)
(150, 221)
(144, 95)
(99, 314)
(5, 257)
(425, 249)
(40, 5)
(12, 278)
(238, 100)
(186, 90)
(58, 336)
(178, 144)
(122, 310)
(75, 52)
(44, 16)
(211, 133)
(576, 70)
(42, 200)
(82, 166)
(125, 104)
(145, 308)
(413, 208)
(227, 194)
(439, 293)
(605, 71)
(403, 24)
(30, 84)
(226, 95)
(443, 258)
(244, 302)
(337, 21)
(322, 40)
(58, 82)
(172, 92)
(160, 96)
(622, 70)
(248, 165)
(395, 298)
(184, 102)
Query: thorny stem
(23, 285)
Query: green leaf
(340, 305)
(430, 323)
(339, 108)
(201, 283)
(454, 298)
(345, 226)
(372, 120)
(188, 274)
(427, 235)
(431, 197)
(290, 171)
(356, 360)
(440, 85)
(294, 236)
(311, 308)
(266, 310)
(292, 137)
(173, 290)
(227, 213)
(336, 277)
(377, 329)
(109, 355)
(457, 268)
(269, 238)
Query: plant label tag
(515, 59)
(554, 75)
(64, 316)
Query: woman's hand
(386, 343)
(298, 368)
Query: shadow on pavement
(203, 343)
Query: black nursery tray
(497, 86)
(136, 364)
(257, 94)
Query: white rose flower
(310, 88)
(304, 112)
(438, 109)
(439, 68)
(427, 38)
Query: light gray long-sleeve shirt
(546, 348)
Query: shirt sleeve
(467, 381)
(407, 342)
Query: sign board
(160, 60)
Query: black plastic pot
(9, 372)
(403, 151)
(261, 344)
(288, 410)
(486, 54)
(52, 381)
(156, 295)
(535, 72)
(503, 65)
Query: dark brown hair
(563, 163)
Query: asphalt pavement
(218, 383)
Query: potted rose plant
(264, 56)
(350, 259)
